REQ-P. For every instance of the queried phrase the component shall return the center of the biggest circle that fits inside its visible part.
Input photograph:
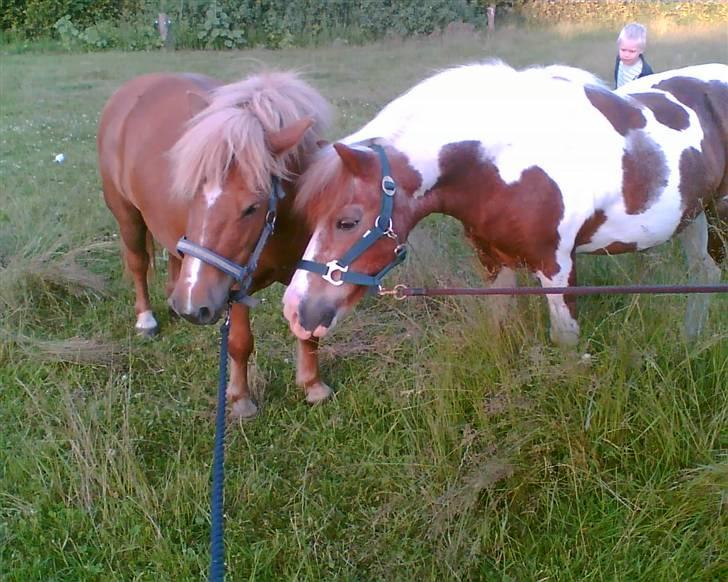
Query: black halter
(242, 274)
(341, 266)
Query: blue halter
(242, 274)
(340, 267)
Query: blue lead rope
(217, 526)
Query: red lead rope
(403, 291)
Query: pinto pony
(537, 165)
(231, 145)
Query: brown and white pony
(227, 144)
(537, 165)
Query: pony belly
(626, 233)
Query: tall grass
(455, 448)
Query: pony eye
(250, 210)
(346, 223)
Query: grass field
(451, 451)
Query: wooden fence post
(164, 25)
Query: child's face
(629, 51)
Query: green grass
(451, 450)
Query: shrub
(617, 12)
(219, 24)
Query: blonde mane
(233, 127)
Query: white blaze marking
(211, 195)
(191, 270)
(299, 282)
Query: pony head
(341, 196)
(242, 136)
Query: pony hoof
(244, 409)
(148, 332)
(318, 393)
(585, 360)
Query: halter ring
(334, 267)
(384, 230)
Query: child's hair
(634, 31)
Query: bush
(235, 23)
(618, 12)
(106, 35)
(219, 24)
(40, 16)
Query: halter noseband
(241, 274)
(341, 266)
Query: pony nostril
(315, 314)
(204, 315)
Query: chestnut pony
(537, 165)
(235, 150)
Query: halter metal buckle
(334, 267)
(270, 218)
(389, 186)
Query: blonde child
(630, 63)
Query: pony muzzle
(200, 313)
(308, 318)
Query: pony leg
(564, 329)
(500, 306)
(240, 347)
(718, 230)
(496, 275)
(307, 371)
(137, 249)
(173, 267)
(702, 269)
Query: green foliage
(105, 35)
(216, 31)
(41, 15)
(617, 12)
(237, 23)
(221, 24)
(12, 14)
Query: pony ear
(289, 136)
(197, 102)
(358, 162)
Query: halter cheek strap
(243, 274)
(337, 271)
